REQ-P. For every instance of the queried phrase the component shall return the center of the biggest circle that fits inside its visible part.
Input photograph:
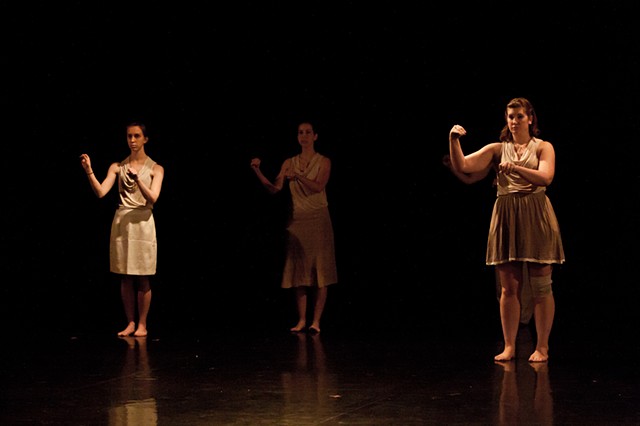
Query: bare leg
(544, 312)
(144, 303)
(127, 292)
(301, 304)
(321, 299)
(510, 279)
(509, 310)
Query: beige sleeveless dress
(310, 256)
(133, 245)
(523, 224)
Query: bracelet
(89, 174)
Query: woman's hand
(132, 173)
(506, 167)
(456, 132)
(290, 174)
(85, 162)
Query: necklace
(521, 149)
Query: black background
(217, 84)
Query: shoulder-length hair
(505, 134)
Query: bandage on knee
(541, 286)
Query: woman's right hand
(85, 162)
(457, 131)
(255, 163)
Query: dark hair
(505, 134)
(309, 122)
(138, 124)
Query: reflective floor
(343, 376)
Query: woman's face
(306, 135)
(135, 138)
(518, 120)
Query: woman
(133, 246)
(524, 237)
(310, 256)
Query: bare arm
(476, 162)
(543, 176)
(100, 189)
(278, 183)
(151, 193)
(467, 178)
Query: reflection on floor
(279, 378)
(136, 404)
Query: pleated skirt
(524, 227)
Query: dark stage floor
(347, 375)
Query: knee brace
(541, 286)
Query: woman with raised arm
(524, 239)
(310, 263)
(133, 245)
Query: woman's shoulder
(494, 147)
(157, 170)
(541, 143)
(323, 160)
(115, 166)
(151, 163)
(541, 146)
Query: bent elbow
(548, 178)
(460, 168)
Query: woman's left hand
(132, 173)
(506, 167)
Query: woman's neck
(521, 140)
(139, 155)
(307, 153)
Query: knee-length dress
(133, 244)
(523, 224)
(310, 252)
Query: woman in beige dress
(310, 256)
(133, 245)
(524, 239)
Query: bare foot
(540, 355)
(141, 331)
(314, 329)
(298, 328)
(128, 331)
(507, 355)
